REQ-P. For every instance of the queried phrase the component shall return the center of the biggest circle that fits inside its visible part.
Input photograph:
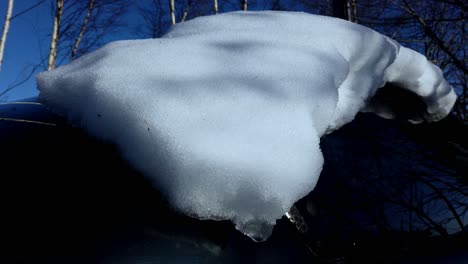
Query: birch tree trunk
(82, 29)
(244, 5)
(351, 10)
(55, 35)
(172, 10)
(187, 8)
(6, 27)
(338, 8)
(345, 9)
(215, 6)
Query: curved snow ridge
(225, 113)
(412, 71)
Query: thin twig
(26, 121)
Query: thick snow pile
(224, 113)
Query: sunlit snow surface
(224, 113)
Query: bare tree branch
(435, 37)
(28, 9)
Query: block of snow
(224, 113)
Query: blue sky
(24, 46)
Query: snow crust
(225, 113)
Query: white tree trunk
(82, 29)
(6, 27)
(55, 35)
(215, 6)
(351, 10)
(244, 5)
(172, 10)
(187, 8)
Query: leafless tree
(215, 6)
(436, 28)
(351, 7)
(78, 27)
(186, 11)
(345, 9)
(82, 29)
(6, 27)
(172, 11)
(54, 40)
(81, 26)
(152, 14)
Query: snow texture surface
(225, 113)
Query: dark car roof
(69, 198)
(26, 111)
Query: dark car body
(68, 198)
